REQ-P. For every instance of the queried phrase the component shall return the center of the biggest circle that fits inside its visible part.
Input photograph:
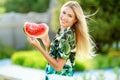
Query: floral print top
(63, 46)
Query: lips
(63, 21)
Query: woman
(72, 39)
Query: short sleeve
(63, 49)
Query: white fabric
(59, 77)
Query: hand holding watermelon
(35, 30)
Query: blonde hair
(84, 43)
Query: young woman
(72, 39)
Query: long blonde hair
(84, 43)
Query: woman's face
(67, 17)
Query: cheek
(74, 20)
(71, 21)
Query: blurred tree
(2, 9)
(25, 6)
(104, 27)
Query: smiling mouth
(63, 22)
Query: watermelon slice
(35, 30)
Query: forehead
(68, 10)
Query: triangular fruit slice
(35, 30)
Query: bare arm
(57, 64)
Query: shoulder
(69, 33)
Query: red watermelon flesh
(35, 30)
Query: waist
(68, 71)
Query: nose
(64, 17)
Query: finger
(32, 40)
(29, 39)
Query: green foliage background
(24, 6)
(5, 50)
(34, 59)
(31, 59)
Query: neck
(63, 28)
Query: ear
(75, 20)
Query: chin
(63, 25)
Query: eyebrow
(68, 14)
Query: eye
(64, 12)
(70, 15)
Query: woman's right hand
(33, 41)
